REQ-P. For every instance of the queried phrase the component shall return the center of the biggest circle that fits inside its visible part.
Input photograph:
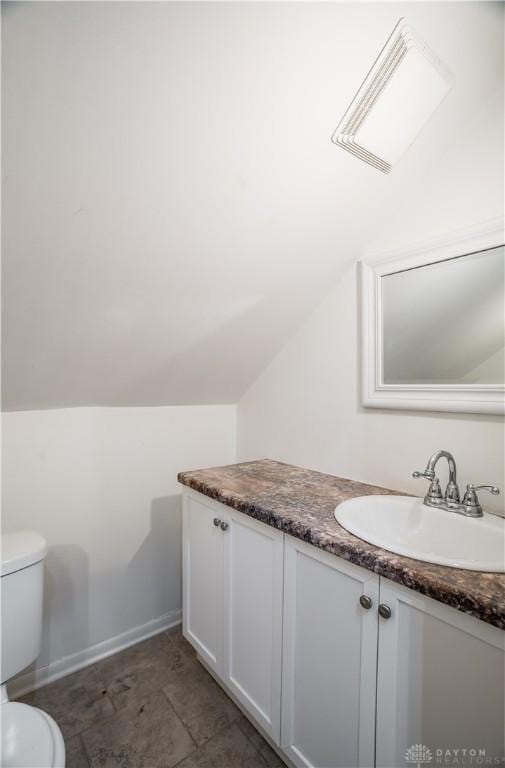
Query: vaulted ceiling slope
(173, 205)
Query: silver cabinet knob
(385, 611)
(366, 602)
(217, 521)
(224, 526)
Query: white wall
(100, 485)
(305, 408)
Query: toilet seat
(30, 738)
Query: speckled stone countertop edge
(413, 574)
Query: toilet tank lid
(21, 549)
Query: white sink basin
(405, 525)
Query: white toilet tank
(23, 554)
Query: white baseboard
(36, 678)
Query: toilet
(30, 738)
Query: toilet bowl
(30, 737)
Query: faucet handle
(471, 504)
(428, 474)
(491, 488)
(434, 496)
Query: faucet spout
(432, 462)
(434, 497)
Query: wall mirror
(433, 325)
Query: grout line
(179, 718)
(103, 718)
(185, 728)
(84, 748)
(214, 736)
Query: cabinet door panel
(203, 581)
(329, 660)
(253, 563)
(440, 680)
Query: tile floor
(151, 706)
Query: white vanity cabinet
(203, 591)
(440, 682)
(232, 603)
(329, 659)
(359, 688)
(253, 575)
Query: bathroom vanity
(343, 654)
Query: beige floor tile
(250, 731)
(228, 749)
(75, 702)
(75, 755)
(271, 758)
(178, 641)
(201, 704)
(146, 736)
(138, 671)
(152, 706)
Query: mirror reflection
(443, 323)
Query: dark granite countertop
(301, 502)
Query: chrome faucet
(470, 506)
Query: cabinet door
(253, 562)
(329, 660)
(203, 581)
(440, 683)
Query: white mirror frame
(459, 398)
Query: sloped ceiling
(173, 205)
